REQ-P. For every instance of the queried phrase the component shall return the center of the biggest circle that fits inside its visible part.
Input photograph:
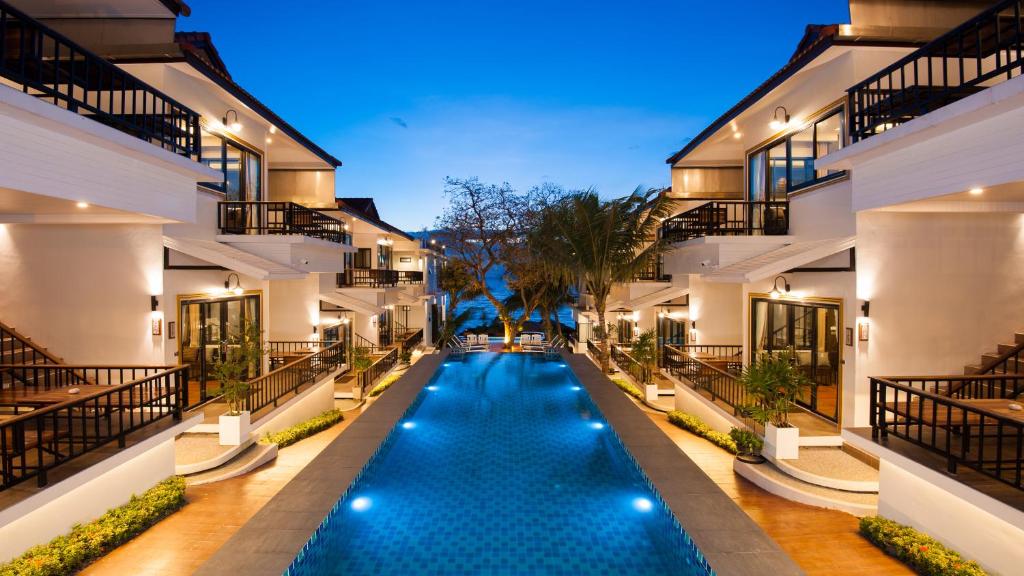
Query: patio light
(776, 293)
(237, 290)
(777, 124)
(234, 126)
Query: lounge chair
(532, 343)
(478, 342)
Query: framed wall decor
(849, 336)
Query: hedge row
(384, 384)
(628, 388)
(290, 436)
(86, 542)
(921, 552)
(697, 426)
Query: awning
(232, 258)
(777, 261)
(350, 303)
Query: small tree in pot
(361, 362)
(645, 351)
(241, 360)
(748, 445)
(773, 383)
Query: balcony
(728, 218)
(652, 273)
(409, 277)
(982, 52)
(287, 218)
(43, 63)
(368, 278)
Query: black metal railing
(238, 217)
(33, 443)
(18, 349)
(46, 64)
(630, 365)
(728, 218)
(281, 352)
(367, 278)
(412, 340)
(984, 51)
(270, 388)
(714, 369)
(35, 377)
(653, 272)
(380, 367)
(410, 277)
(1010, 361)
(964, 419)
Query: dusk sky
(583, 94)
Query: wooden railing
(412, 340)
(714, 369)
(237, 217)
(380, 367)
(968, 428)
(33, 443)
(653, 272)
(728, 218)
(630, 365)
(280, 351)
(18, 349)
(410, 277)
(985, 50)
(46, 64)
(1009, 362)
(367, 278)
(270, 388)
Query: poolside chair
(478, 342)
(458, 347)
(532, 343)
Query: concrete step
(251, 458)
(199, 452)
(831, 467)
(773, 480)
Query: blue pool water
(502, 465)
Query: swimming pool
(502, 465)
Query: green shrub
(384, 384)
(695, 425)
(290, 436)
(747, 442)
(921, 552)
(86, 542)
(628, 388)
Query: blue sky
(583, 94)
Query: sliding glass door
(810, 332)
(209, 329)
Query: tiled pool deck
(731, 541)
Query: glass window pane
(777, 171)
(233, 173)
(830, 138)
(755, 174)
(802, 157)
(212, 154)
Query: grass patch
(384, 384)
(290, 436)
(628, 387)
(697, 426)
(86, 542)
(921, 552)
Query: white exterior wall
(83, 291)
(824, 212)
(295, 309)
(717, 309)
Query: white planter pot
(234, 429)
(651, 392)
(781, 443)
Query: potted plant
(748, 445)
(361, 362)
(241, 357)
(773, 382)
(645, 351)
(405, 357)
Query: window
(363, 258)
(787, 165)
(242, 168)
(383, 257)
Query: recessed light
(82, 204)
(597, 426)
(408, 425)
(642, 505)
(976, 191)
(737, 135)
(362, 503)
(270, 140)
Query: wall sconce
(234, 126)
(237, 290)
(153, 303)
(315, 328)
(776, 293)
(776, 123)
(693, 324)
(862, 331)
(866, 308)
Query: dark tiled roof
(200, 44)
(366, 210)
(178, 7)
(200, 59)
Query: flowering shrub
(921, 552)
(86, 542)
(290, 436)
(384, 384)
(628, 388)
(697, 426)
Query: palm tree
(601, 243)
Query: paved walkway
(823, 542)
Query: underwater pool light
(408, 425)
(561, 365)
(362, 503)
(642, 505)
(432, 388)
(575, 388)
(597, 426)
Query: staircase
(18, 349)
(1007, 359)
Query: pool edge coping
(731, 542)
(269, 541)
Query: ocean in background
(484, 312)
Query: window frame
(787, 138)
(222, 186)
